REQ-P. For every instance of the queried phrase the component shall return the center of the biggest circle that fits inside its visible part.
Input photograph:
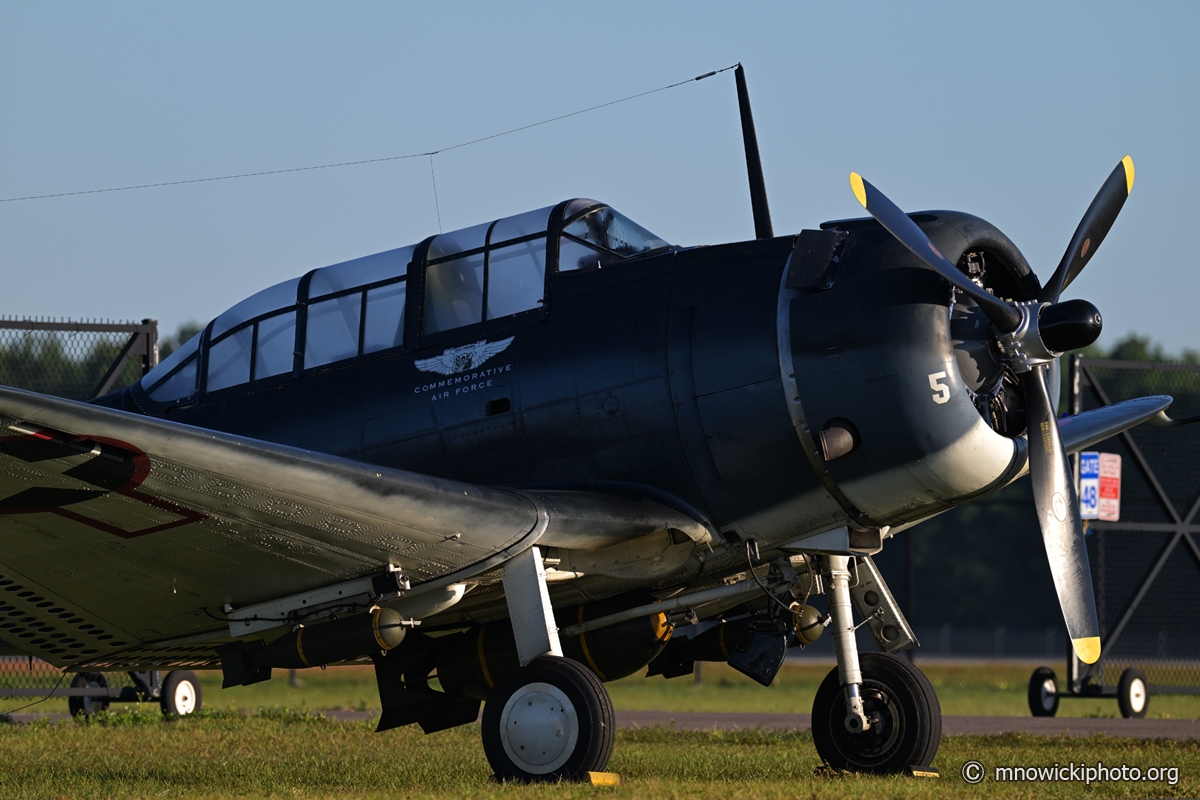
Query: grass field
(137, 753)
(989, 690)
(264, 740)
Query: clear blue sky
(1012, 111)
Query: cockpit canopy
(486, 272)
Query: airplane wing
(1091, 427)
(123, 537)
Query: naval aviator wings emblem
(463, 359)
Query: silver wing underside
(123, 538)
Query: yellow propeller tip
(856, 183)
(1128, 162)
(1087, 649)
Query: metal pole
(151, 358)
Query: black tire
(903, 709)
(1043, 692)
(534, 695)
(84, 707)
(1133, 694)
(180, 694)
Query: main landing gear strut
(875, 713)
(550, 719)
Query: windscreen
(614, 231)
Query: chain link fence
(76, 360)
(79, 361)
(1146, 566)
(25, 676)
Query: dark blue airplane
(518, 457)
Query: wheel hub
(876, 743)
(1137, 695)
(94, 705)
(185, 698)
(539, 728)
(1049, 692)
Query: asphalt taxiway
(1178, 729)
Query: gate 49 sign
(1100, 486)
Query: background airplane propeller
(1033, 335)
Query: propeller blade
(888, 214)
(1091, 231)
(1058, 514)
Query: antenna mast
(758, 189)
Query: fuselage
(698, 377)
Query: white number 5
(941, 390)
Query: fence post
(151, 358)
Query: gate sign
(1100, 486)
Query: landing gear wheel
(180, 694)
(1043, 692)
(88, 706)
(1133, 697)
(549, 720)
(904, 712)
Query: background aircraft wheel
(905, 716)
(551, 719)
(1132, 695)
(87, 706)
(180, 693)
(1043, 693)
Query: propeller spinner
(1032, 335)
